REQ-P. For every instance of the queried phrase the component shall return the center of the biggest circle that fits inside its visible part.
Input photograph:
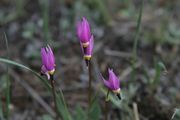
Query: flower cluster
(87, 43)
(48, 62)
(86, 39)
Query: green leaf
(62, 107)
(47, 117)
(176, 115)
(8, 82)
(95, 110)
(158, 68)
(134, 52)
(1, 112)
(7, 61)
(80, 114)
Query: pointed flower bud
(48, 61)
(113, 83)
(84, 32)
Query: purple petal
(43, 69)
(48, 59)
(106, 83)
(86, 29)
(52, 60)
(43, 56)
(90, 47)
(113, 79)
(83, 30)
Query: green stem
(89, 86)
(137, 31)
(54, 96)
(7, 81)
(106, 105)
(134, 52)
(45, 13)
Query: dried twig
(135, 109)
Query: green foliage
(176, 115)
(80, 114)
(95, 110)
(8, 82)
(47, 117)
(123, 104)
(159, 67)
(137, 31)
(1, 111)
(45, 12)
(26, 68)
(62, 107)
(60, 99)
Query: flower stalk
(89, 84)
(106, 105)
(86, 40)
(54, 95)
(48, 69)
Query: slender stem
(106, 105)
(8, 83)
(134, 52)
(54, 96)
(89, 86)
(137, 32)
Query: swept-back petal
(48, 59)
(106, 83)
(113, 79)
(51, 55)
(89, 49)
(86, 29)
(44, 56)
(83, 30)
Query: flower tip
(84, 18)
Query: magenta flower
(88, 51)
(48, 61)
(84, 32)
(113, 83)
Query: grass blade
(7, 61)
(1, 112)
(8, 82)
(62, 107)
(137, 31)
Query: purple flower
(83, 32)
(44, 71)
(113, 83)
(48, 61)
(89, 49)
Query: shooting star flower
(84, 32)
(113, 83)
(48, 61)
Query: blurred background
(151, 89)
